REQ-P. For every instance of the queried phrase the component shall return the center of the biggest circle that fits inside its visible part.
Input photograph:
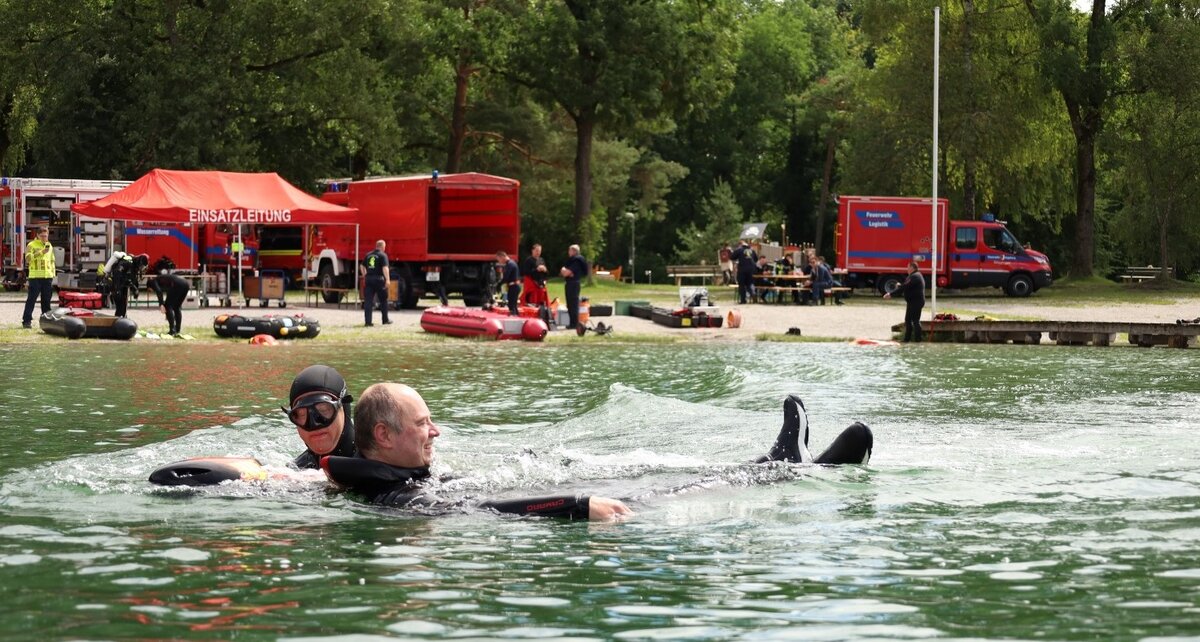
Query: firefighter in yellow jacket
(39, 258)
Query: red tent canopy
(176, 196)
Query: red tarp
(176, 196)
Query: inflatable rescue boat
(489, 324)
(77, 323)
(281, 327)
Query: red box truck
(877, 236)
(441, 231)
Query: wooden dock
(1175, 335)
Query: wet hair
(378, 404)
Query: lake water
(1015, 493)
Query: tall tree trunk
(826, 177)
(458, 113)
(1164, 259)
(969, 145)
(1085, 202)
(585, 126)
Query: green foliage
(722, 221)
(685, 113)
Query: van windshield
(999, 238)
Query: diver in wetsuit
(171, 290)
(123, 274)
(320, 409)
(395, 442)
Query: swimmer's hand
(607, 509)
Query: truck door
(965, 257)
(1003, 253)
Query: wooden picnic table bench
(1135, 274)
(702, 272)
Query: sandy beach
(861, 316)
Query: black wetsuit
(510, 276)
(375, 285)
(913, 289)
(853, 446)
(175, 289)
(344, 448)
(579, 269)
(386, 485)
(124, 276)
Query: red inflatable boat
(489, 324)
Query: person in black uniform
(171, 290)
(377, 282)
(319, 406)
(510, 277)
(395, 444)
(123, 273)
(747, 264)
(575, 269)
(913, 289)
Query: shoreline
(861, 317)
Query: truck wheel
(326, 281)
(888, 283)
(472, 299)
(1019, 285)
(408, 296)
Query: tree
(722, 221)
(1077, 57)
(621, 64)
(1155, 147)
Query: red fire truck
(81, 243)
(877, 236)
(193, 246)
(441, 232)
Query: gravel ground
(859, 317)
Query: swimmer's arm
(565, 506)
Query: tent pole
(239, 248)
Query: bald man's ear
(382, 435)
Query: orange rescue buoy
(263, 340)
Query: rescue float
(75, 323)
(488, 324)
(296, 326)
(207, 471)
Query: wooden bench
(314, 296)
(1134, 274)
(702, 272)
(799, 289)
(602, 274)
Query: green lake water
(1015, 493)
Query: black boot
(792, 443)
(853, 446)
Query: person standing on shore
(39, 259)
(747, 265)
(575, 269)
(533, 269)
(376, 282)
(913, 289)
(510, 276)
